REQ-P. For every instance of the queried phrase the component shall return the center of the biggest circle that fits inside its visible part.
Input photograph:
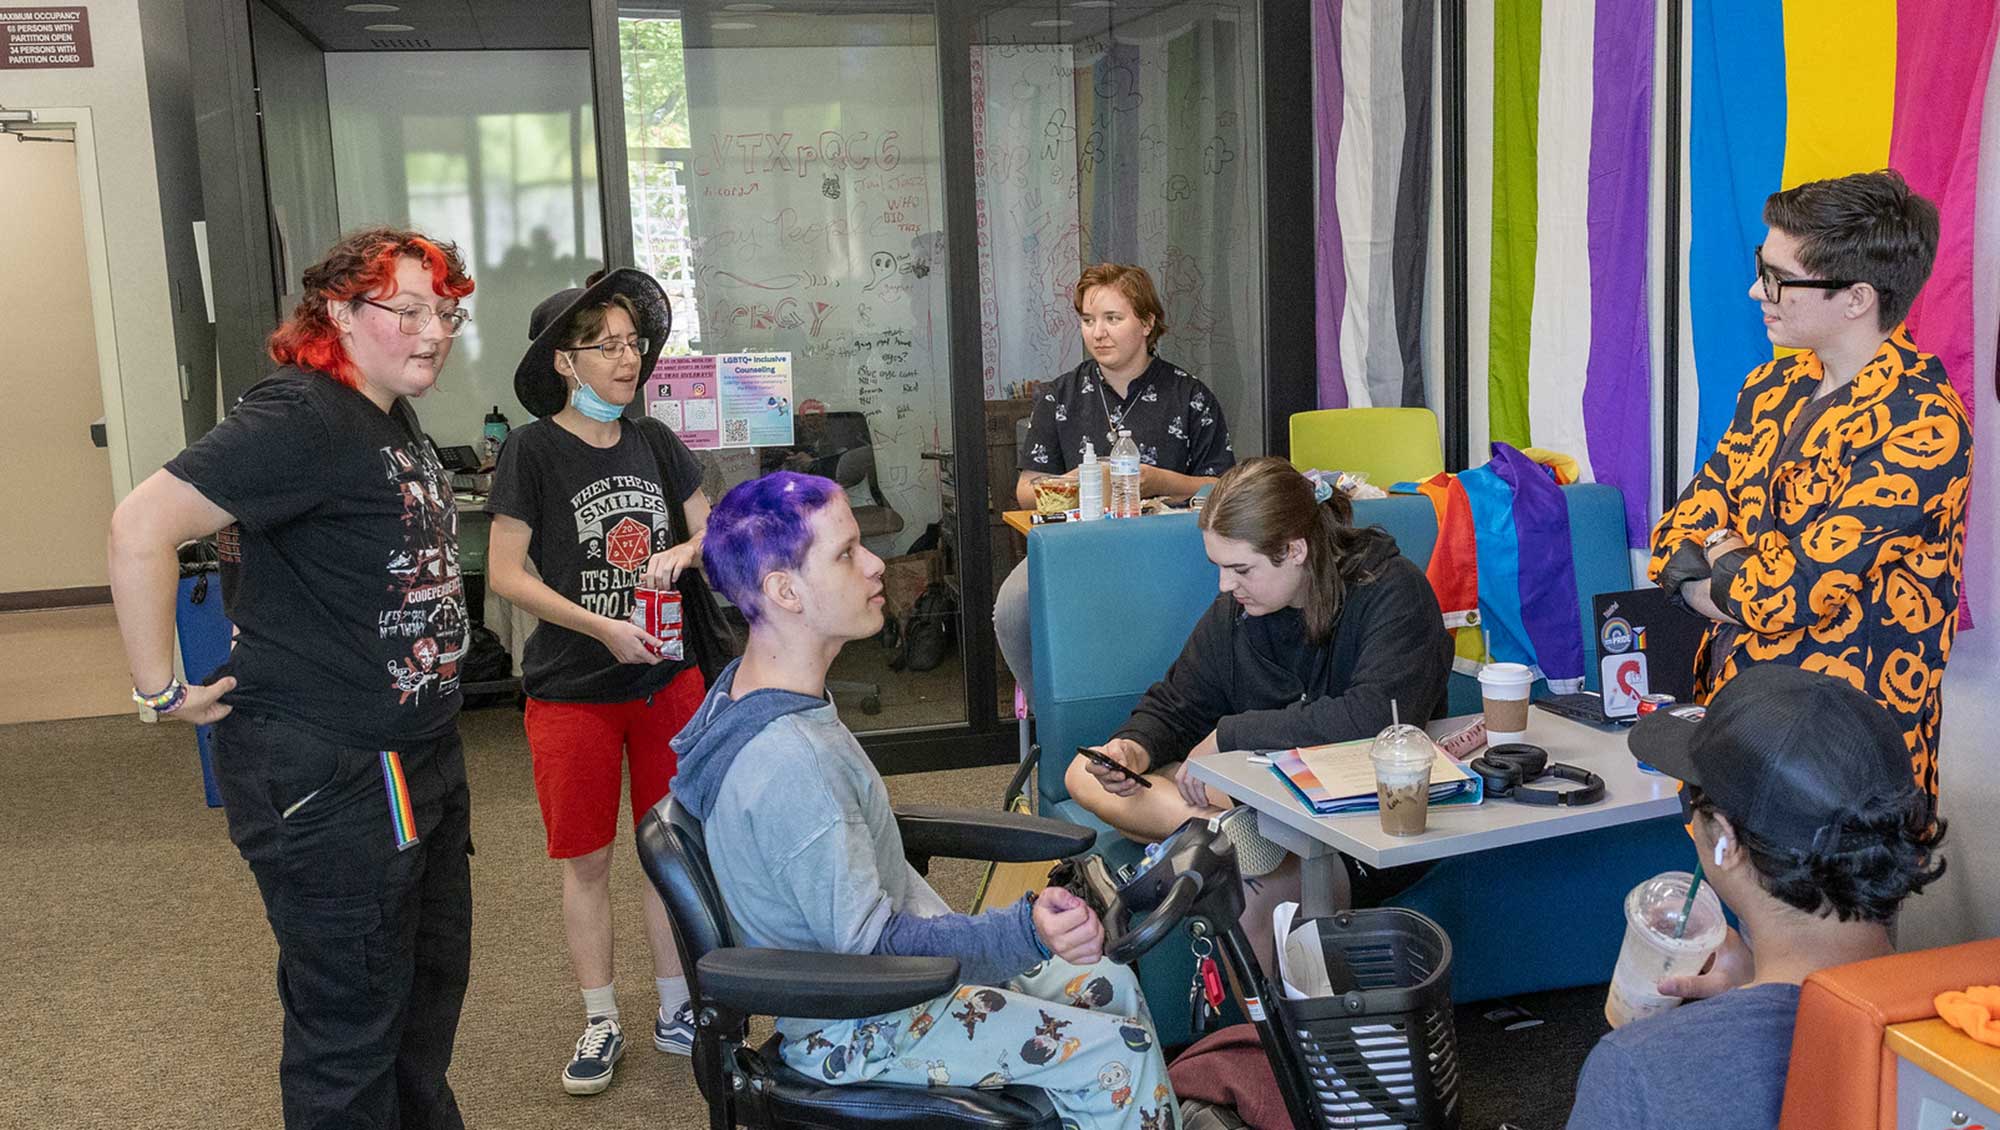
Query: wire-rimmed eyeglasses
(412, 319)
(613, 349)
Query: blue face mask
(594, 406)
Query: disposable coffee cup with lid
(1503, 692)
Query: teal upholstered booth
(1111, 603)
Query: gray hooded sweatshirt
(804, 844)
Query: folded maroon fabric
(1229, 1068)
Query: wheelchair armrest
(820, 986)
(987, 834)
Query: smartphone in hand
(1114, 766)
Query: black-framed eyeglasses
(412, 319)
(1774, 283)
(614, 348)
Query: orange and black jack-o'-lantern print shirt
(1856, 526)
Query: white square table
(1630, 795)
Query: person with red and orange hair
(336, 733)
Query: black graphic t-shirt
(596, 514)
(1175, 420)
(341, 573)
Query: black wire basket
(1382, 1051)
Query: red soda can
(657, 612)
(1647, 704)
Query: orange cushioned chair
(1842, 1075)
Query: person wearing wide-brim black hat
(1811, 830)
(582, 493)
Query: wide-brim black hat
(540, 389)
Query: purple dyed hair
(760, 527)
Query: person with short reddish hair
(1174, 418)
(336, 734)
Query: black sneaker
(675, 1035)
(597, 1052)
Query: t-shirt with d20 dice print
(596, 516)
(341, 573)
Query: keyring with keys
(1205, 994)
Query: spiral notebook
(1334, 779)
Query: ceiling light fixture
(1052, 23)
(746, 7)
(374, 8)
(734, 25)
(391, 27)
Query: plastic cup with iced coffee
(1503, 691)
(1658, 944)
(1403, 755)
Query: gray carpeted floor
(136, 967)
(136, 983)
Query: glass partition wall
(1122, 132)
(788, 179)
(786, 188)
(1127, 133)
(493, 150)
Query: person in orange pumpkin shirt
(1827, 531)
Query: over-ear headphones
(1507, 770)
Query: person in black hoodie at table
(1319, 627)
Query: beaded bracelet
(167, 701)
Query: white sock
(600, 1003)
(673, 994)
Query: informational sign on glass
(731, 400)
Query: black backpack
(928, 630)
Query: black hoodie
(1260, 684)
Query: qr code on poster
(735, 431)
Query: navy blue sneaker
(675, 1035)
(597, 1052)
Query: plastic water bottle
(1090, 486)
(1125, 477)
(494, 434)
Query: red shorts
(580, 750)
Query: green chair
(1389, 445)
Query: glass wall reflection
(786, 189)
(495, 151)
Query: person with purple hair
(807, 856)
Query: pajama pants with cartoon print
(1081, 1033)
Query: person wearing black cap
(1811, 830)
(581, 493)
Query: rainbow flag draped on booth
(1503, 529)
